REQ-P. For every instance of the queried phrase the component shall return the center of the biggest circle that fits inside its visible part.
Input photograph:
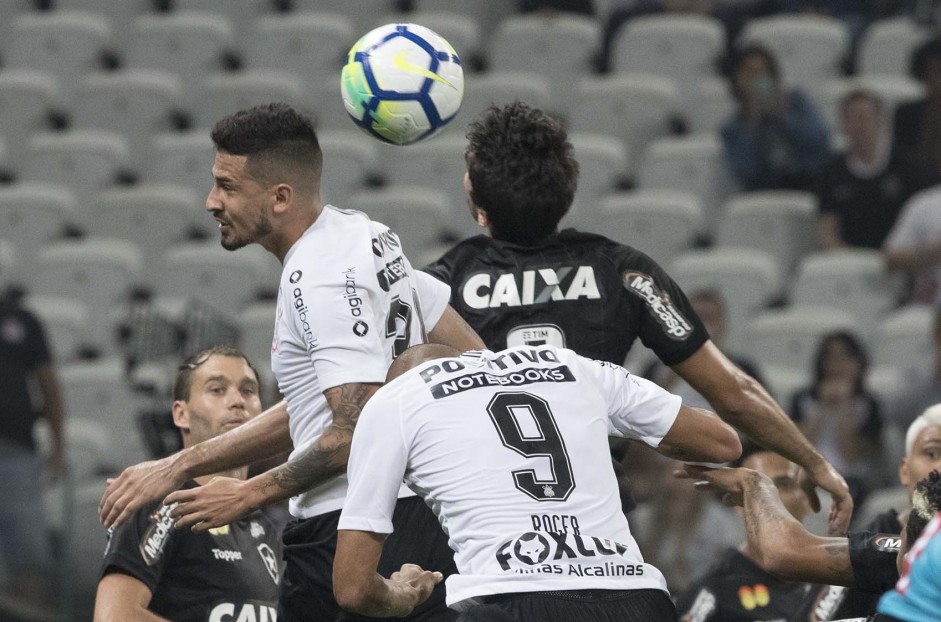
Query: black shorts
(575, 606)
(310, 544)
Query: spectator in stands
(862, 190)
(25, 363)
(918, 123)
(776, 138)
(735, 588)
(923, 393)
(913, 247)
(837, 413)
(709, 305)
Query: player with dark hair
(348, 303)
(510, 449)
(735, 588)
(528, 283)
(153, 572)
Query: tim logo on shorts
(659, 304)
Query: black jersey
(873, 557)
(735, 589)
(575, 290)
(228, 573)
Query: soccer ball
(402, 83)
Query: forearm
(385, 599)
(452, 330)
(125, 612)
(259, 438)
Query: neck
(280, 241)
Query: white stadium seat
(747, 279)
(256, 334)
(637, 108)
(34, 214)
(810, 49)
(904, 340)
(852, 280)
(685, 48)
(224, 94)
(8, 259)
(499, 87)
(26, 99)
(417, 215)
(362, 12)
(560, 49)
(780, 222)
(349, 158)
(65, 322)
(602, 164)
(184, 159)
(661, 223)
(694, 164)
(241, 13)
(120, 12)
(790, 337)
(710, 106)
(886, 46)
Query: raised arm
(225, 499)
(782, 544)
(122, 598)
(744, 404)
(452, 330)
(262, 437)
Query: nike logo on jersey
(480, 291)
(401, 63)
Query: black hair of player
(275, 138)
(522, 170)
(744, 53)
(923, 54)
(930, 490)
(184, 376)
(857, 350)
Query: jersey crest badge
(257, 530)
(271, 562)
(548, 490)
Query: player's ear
(283, 196)
(181, 415)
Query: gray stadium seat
(26, 99)
(349, 158)
(241, 13)
(256, 324)
(120, 12)
(886, 46)
(362, 12)
(417, 215)
(65, 321)
(34, 214)
(184, 159)
(602, 163)
(223, 94)
(789, 337)
(710, 106)
(903, 339)
(8, 259)
(499, 87)
(661, 223)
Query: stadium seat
(747, 279)
(885, 47)
(560, 49)
(67, 44)
(65, 321)
(97, 271)
(349, 158)
(138, 104)
(695, 164)
(223, 94)
(710, 106)
(780, 222)
(26, 99)
(98, 390)
(185, 160)
(87, 447)
(327, 106)
(312, 46)
(120, 12)
(883, 500)
(417, 215)
(904, 340)
(460, 30)
(602, 163)
(685, 48)
(8, 259)
(661, 223)
(790, 337)
(437, 164)
(637, 108)
(886, 382)
(852, 280)
(485, 14)
(809, 48)
(256, 323)
(240, 13)
(32, 215)
(362, 12)
(893, 90)
(496, 87)
(152, 216)
(204, 271)
(189, 44)
(784, 382)
(87, 161)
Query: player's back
(511, 451)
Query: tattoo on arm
(327, 457)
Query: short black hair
(523, 171)
(274, 137)
(744, 53)
(926, 503)
(857, 350)
(184, 376)
(922, 55)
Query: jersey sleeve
(442, 268)
(907, 231)
(873, 557)
(637, 408)
(376, 468)
(433, 295)
(666, 322)
(140, 547)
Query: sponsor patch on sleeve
(157, 535)
(658, 302)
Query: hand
(841, 508)
(417, 581)
(219, 502)
(730, 482)
(137, 486)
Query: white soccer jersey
(348, 302)
(510, 450)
